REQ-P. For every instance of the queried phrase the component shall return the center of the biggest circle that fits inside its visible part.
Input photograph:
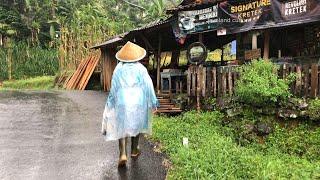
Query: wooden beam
(175, 59)
(145, 40)
(158, 64)
(222, 56)
(266, 46)
(201, 37)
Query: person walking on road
(130, 103)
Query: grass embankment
(37, 83)
(214, 153)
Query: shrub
(259, 84)
(314, 110)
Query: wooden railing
(220, 81)
(211, 81)
(307, 79)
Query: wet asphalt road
(56, 135)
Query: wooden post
(214, 81)
(255, 40)
(102, 74)
(284, 71)
(298, 81)
(230, 84)
(175, 59)
(266, 46)
(209, 81)
(314, 80)
(201, 38)
(194, 76)
(222, 55)
(204, 80)
(158, 64)
(199, 79)
(238, 40)
(199, 84)
(306, 80)
(189, 81)
(223, 84)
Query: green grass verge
(213, 152)
(37, 83)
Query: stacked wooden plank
(81, 77)
(62, 78)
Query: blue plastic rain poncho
(130, 102)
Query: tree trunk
(1, 40)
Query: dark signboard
(295, 11)
(234, 16)
(243, 15)
(198, 20)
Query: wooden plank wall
(108, 65)
(220, 81)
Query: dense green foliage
(314, 110)
(37, 83)
(214, 153)
(38, 21)
(260, 85)
(69, 26)
(28, 61)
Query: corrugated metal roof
(119, 38)
(112, 40)
(154, 24)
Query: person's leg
(123, 151)
(135, 151)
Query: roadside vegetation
(37, 83)
(214, 151)
(262, 133)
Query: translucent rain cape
(130, 102)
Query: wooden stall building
(285, 32)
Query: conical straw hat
(130, 52)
